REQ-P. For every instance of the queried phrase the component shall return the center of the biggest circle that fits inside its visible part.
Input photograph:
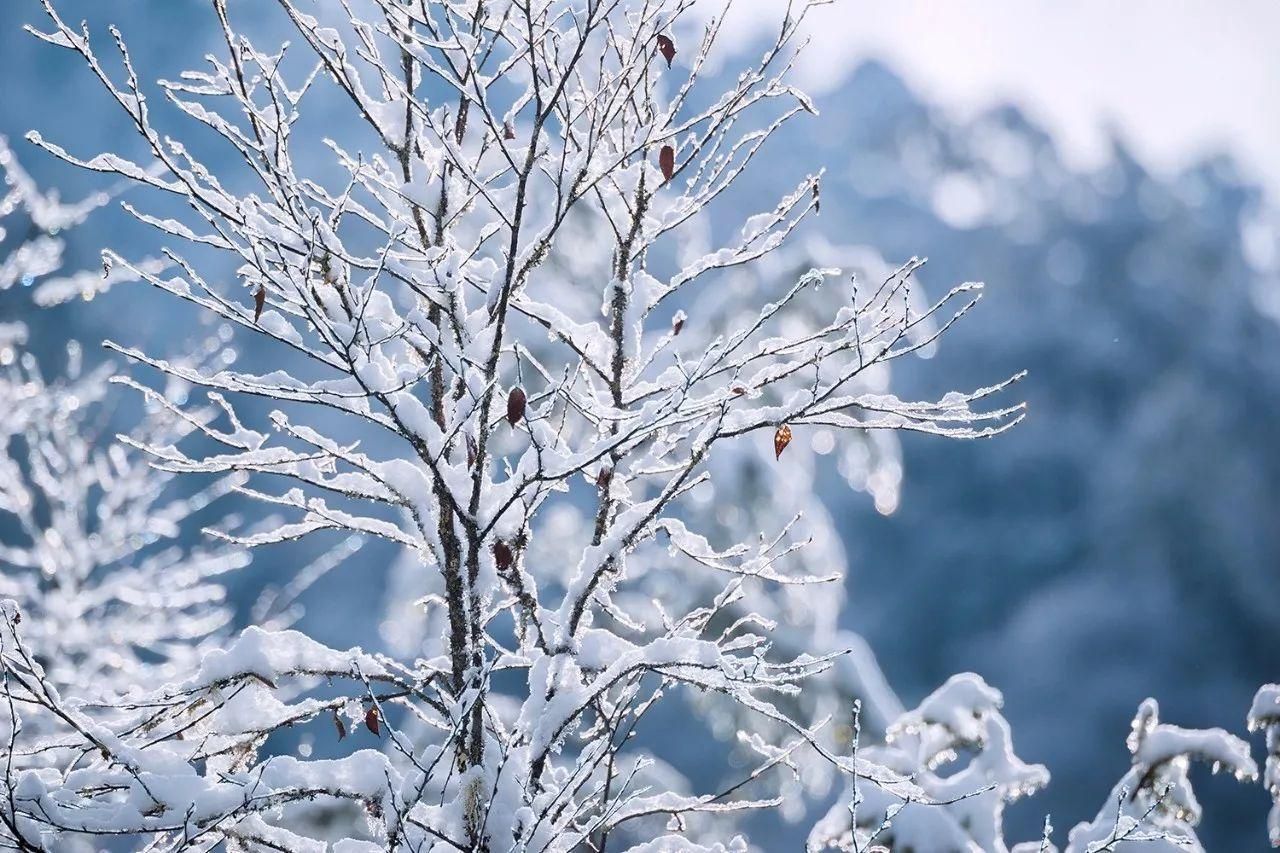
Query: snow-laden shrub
(91, 547)
(1153, 806)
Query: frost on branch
(1153, 806)
(493, 347)
(957, 748)
(1264, 716)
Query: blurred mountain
(1123, 541)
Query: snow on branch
(1264, 716)
(1153, 807)
(492, 344)
(38, 254)
(957, 748)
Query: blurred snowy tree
(90, 556)
(1122, 539)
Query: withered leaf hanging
(508, 132)
(781, 439)
(259, 299)
(372, 721)
(339, 725)
(503, 556)
(667, 48)
(667, 161)
(515, 405)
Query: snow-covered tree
(91, 562)
(1094, 546)
(453, 377)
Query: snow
(1153, 805)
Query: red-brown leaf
(372, 721)
(781, 439)
(259, 299)
(508, 132)
(502, 555)
(515, 405)
(339, 725)
(604, 477)
(667, 161)
(668, 48)
(677, 323)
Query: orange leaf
(371, 720)
(781, 439)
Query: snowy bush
(109, 599)
(91, 567)
(88, 529)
